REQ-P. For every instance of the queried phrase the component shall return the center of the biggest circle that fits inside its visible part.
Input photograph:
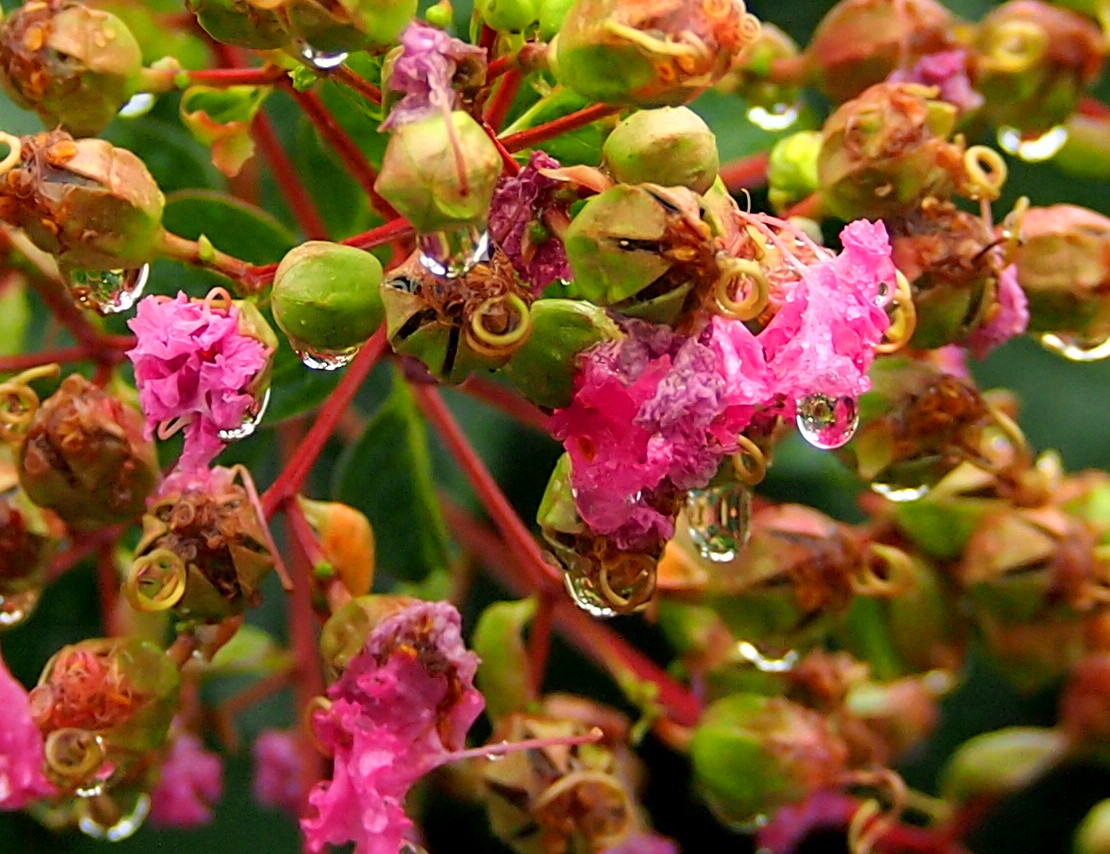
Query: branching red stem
(745, 172)
(557, 127)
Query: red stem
(62, 355)
(80, 549)
(510, 165)
(357, 83)
(107, 587)
(539, 640)
(297, 197)
(745, 172)
(503, 98)
(264, 76)
(506, 400)
(556, 127)
(72, 318)
(810, 207)
(293, 475)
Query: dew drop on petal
(454, 253)
(1076, 349)
(322, 60)
(128, 818)
(1032, 149)
(17, 607)
(774, 118)
(250, 421)
(827, 422)
(719, 518)
(108, 291)
(139, 105)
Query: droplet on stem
(1074, 348)
(139, 105)
(719, 518)
(900, 493)
(17, 607)
(113, 822)
(1033, 149)
(454, 253)
(322, 60)
(827, 422)
(320, 359)
(774, 118)
(108, 291)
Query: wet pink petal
(21, 747)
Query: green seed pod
(344, 634)
(440, 176)
(85, 457)
(241, 23)
(671, 146)
(631, 52)
(792, 169)
(752, 754)
(999, 763)
(326, 297)
(508, 16)
(552, 15)
(73, 65)
(543, 368)
(888, 149)
(91, 205)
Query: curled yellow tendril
(896, 579)
(986, 172)
(871, 822)
(904, 320)
(19, 402)
(156, 582)
(218, 299)
(493, 343)
(1011, 228)
(15, 152)
(744, 276)
(73, 754)
(642, 591)
(749, 463)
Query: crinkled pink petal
(21, 747)
(277, 770)
(1010, 320)
(191, 781)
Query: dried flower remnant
(21, 747)
(189, 783)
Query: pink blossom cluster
(657, 411)
(190, 781)
(401, 708)
(21, 747)
(194, 366)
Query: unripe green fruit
(326, 296)
(997, 763)
(508, 15)
(670, 146)
(552, 15)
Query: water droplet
(774, 118)
(1032, 149)
(899, 493)
(322, 60)
(108, 291)
(719, 519)
(585, 596)
(1076, 349)
(116, 821)
(139, 105)
(753, 655)
(827, 422)
(451, 254)
(250, 421)
(17, 607)
(324, 360)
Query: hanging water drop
(774, 118)
(108, 291)
(585, 595)
(451, 254)
(320, 359)
(753, 655)
(1032, 149)
(827, 422)
(114, 818)
(250, 421)
(17, 607)
(1075, 348)
(898, 492)
(139, 105)
(719, 518)
(322, 60)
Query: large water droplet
(108, 291)
(320, 359)
(322, 60)
(139, 105)
(17, 607)
(899, 492)
(585, 596)
(827, 422)
(250, 421)
(117, 821)
(774, 118)
(450, 254)
(1032, 149)
(1076, 349)
(719, 518)
(754, 655)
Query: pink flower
(277, 770)
(424, 72)
(1010, 319)
(401, 708)
(516, 215)
(21, 747)
(644, 843)
(947, 70)
(791, 824)
(192, 363)
(190, 782)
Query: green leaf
(387, 474)
(250, 651)
(234, 226)
(504, 676)
(296, 389)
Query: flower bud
(85, 457)
(999, 763)
(438, 175)
(630, 52)
(456, 326)
(792, 168)
(102, 704)
(91, 205)
(886, 150)
(670, 146)
(326, 298)
(752, 754)
(73, 65)
(1033, 62)
(508, 16)
(203, 551)
(543, 368)
(860, 42)
(750, 78)
(346, 541)
(344, 634)
(241, 23)
(552, 15)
